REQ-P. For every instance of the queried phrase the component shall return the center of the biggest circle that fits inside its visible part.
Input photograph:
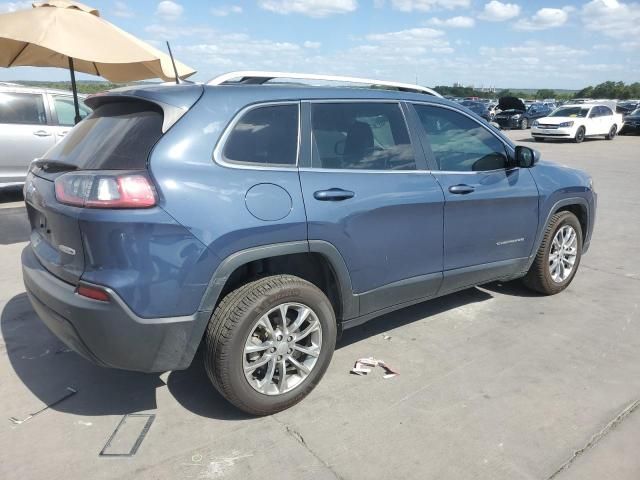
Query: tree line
(609, 89)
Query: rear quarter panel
(208, 199)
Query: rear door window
(265, 135)
(361, 135)
(66, 110)
(22, 108)
(116, 136)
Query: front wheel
(558, 256)
(612, 133)
(524, 124)
(579, 135)
(269, 343)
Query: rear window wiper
(53, 166)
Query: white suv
(31, 121)
(577, 122)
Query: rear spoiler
(174, 100)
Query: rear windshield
(116, 136)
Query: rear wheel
(579, 135)
(558, 256)
(612, 133)
(269, 343)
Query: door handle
(461, 189)
(333, 195)
(42, 133)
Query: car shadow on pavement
(14, 225)
(513, 289)
(46, 366)
(411, 314)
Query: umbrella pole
(75, 90)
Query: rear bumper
(109, 333)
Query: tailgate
(55, 231)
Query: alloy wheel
(563, 253)
(282, 348)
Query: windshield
(635, 113)
(571, 112)
(536, 108)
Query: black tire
(612, 133)
(538, 277)
(524, 124)
(539, 139)
(230, 326)
(580, 133)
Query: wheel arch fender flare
(564, 202)
(219, 279)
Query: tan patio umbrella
(67, 34)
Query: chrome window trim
(354, 170)
(507, 145)
(219, 158)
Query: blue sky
(515, 43)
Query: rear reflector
(94, 293)
(105, 190)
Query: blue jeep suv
(257, 220)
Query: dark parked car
(631, 123)
(256, 222)
(479, 108)
(625, 108)
(514, 113)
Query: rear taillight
(106, 190)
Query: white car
(577, 122)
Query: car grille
(547, 126)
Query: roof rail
(252, 77)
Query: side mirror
(526, 157)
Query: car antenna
(173, 62)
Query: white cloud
(611, 17)
(226, 10)
(496, 11)
(7, 7)
(309, 44)
(545, 18)
(426, 5)
(454, 22)
(310, 8)
(412, 36)
(122, 10)
(169, 10)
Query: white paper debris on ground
(363, 366)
